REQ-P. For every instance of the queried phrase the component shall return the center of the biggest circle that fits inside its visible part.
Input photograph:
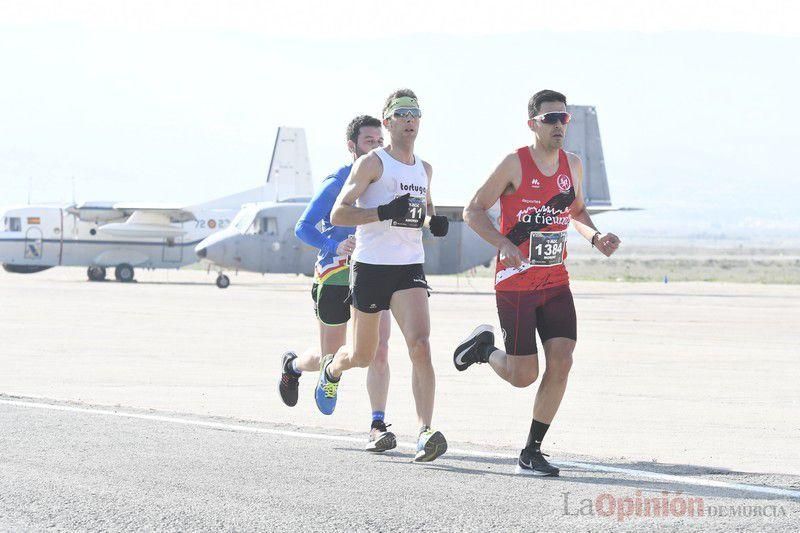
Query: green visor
(404, 103)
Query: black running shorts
(372, 286)
(551, 311)
(331, 304)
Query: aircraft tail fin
(583, 139)
(289, 174)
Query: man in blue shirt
(330, 290)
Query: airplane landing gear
(96, 273)
(124, 273)
(223, 281)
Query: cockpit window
(268, 225)
(243, 220)
(12, 224)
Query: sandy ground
(699, 375)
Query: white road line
(685, 480)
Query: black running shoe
(474, 347)
(289, 380)
(380, 439)
(534, 464)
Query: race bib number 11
(415, 216)
(547, 248)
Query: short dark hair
(536, 101)
(354, 128)
(397, 94)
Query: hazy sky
(179, 101)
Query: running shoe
(534, 464)
(430, 445)
(325, 393)
(380, 440)
(289, 380)
(474, 347)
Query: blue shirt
(327, 238)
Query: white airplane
(100, 235)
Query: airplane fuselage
(48, 236)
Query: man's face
(549, 135)
(369, 138)
(403, 128)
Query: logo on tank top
(544, 215)
(535, 184)
(564, 183)
(413, 188)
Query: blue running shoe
(325, 393)
(430, 445)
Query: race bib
(547, 248)
(415, 216)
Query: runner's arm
(431, 210)
(320, 205)
(606, 243)
(365, 170)
(580, 216)
(476, 213)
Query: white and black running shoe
(289, 380)
(474, 348)
(534, 464)
(380, 439)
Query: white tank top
(388, 242)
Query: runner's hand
(397, 208)
(347, 246)
(439, 225)
(509, 255)
(607, 244)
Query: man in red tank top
(540, 193)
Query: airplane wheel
(96, 273)
(124, 273)
(223, 281)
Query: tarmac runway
(73, 467)
(687, 388)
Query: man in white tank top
(387, 197)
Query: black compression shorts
(372, 286)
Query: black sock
(536, 435)
(328, 375)
(484, 352)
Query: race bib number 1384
(547, 248)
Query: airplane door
(34, 244)
(172, 251)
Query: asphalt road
(70, 466)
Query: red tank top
(540, 204)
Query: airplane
(101, 235)
(261, 237)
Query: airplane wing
(597, 209)
(137, 220)
(174, 213)
(108, 211)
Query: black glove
(439, 225)
(394, 209)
